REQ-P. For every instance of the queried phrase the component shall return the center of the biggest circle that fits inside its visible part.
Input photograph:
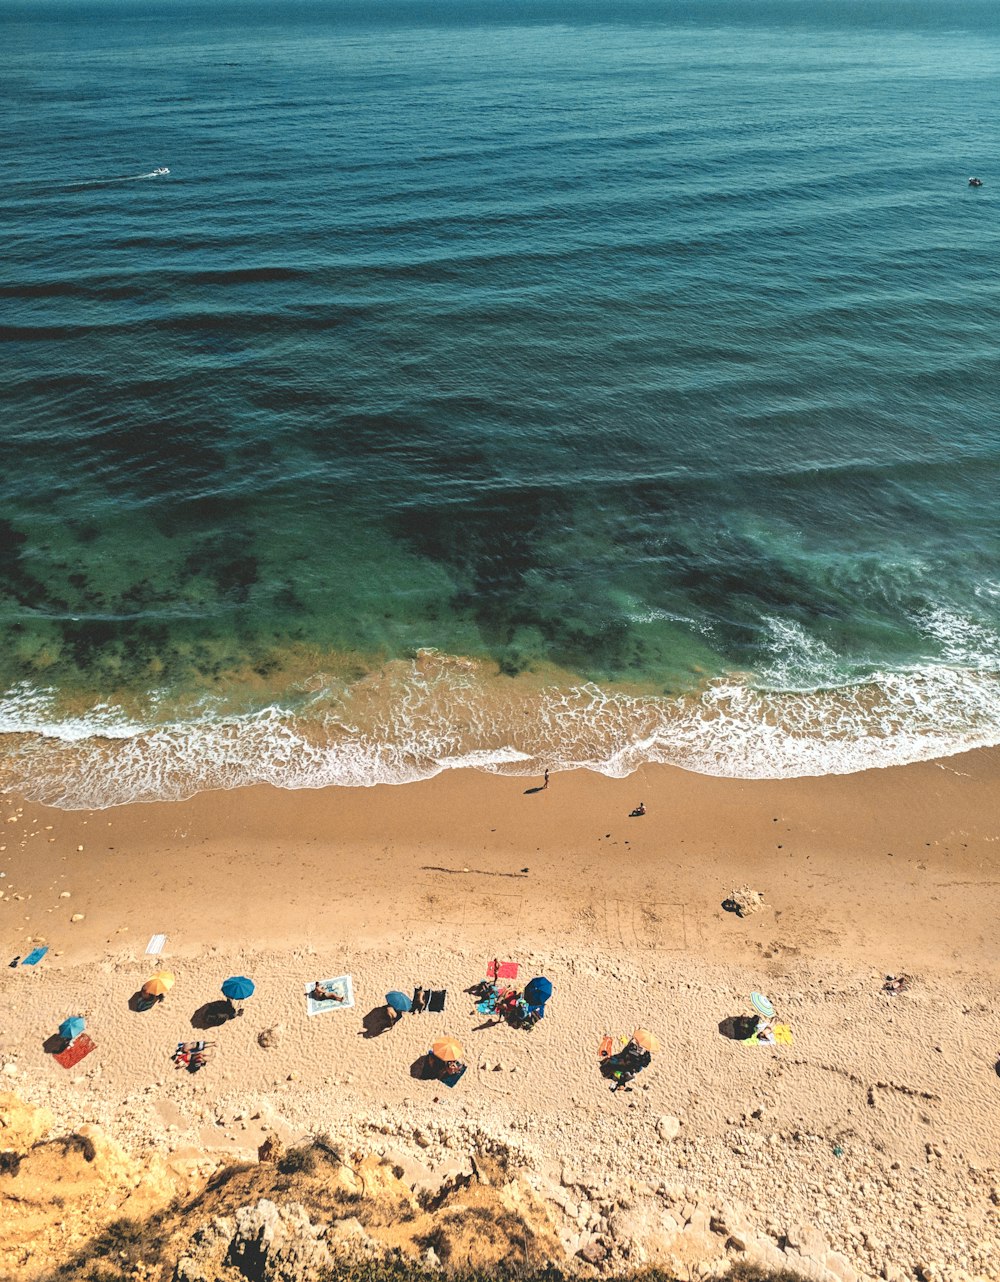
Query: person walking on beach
(546, 783)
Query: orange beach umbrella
(447, 1048)
(647, 1040)
(161, 983)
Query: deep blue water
(650, 346)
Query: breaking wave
(416, 719)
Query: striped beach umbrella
(761, 1005)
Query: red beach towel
(71, 1056)
(501, 970)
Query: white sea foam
(410, 724)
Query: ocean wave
(410, 723)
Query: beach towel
(452, 1079)
(34, 957)
(342, 985)
(782, 1037)
(156, 945)
(79, 1049)
(436, 1000)
(501, 970)
(606, 1047)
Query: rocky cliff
(79, 1208)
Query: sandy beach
(878, 1122)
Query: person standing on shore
(546, 782)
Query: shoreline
(894, 870)
(409, 721)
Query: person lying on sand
(320, 994)
(896, 983)
(188, 1052)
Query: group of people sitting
(622, 1066)
(507, 1004)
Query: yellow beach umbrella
(647, 1040)
(447, 1048)
(161, 983)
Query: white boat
(158, 172)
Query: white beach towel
(342, 986)
(156, 944)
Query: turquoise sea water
(495, 384)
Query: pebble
(77, 917)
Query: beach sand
(878, 1123)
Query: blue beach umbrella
(72, 1027)
(398, 1001)
(761, 1005)
(237, 988)
(538, 991)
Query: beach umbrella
(447, 1048)
(647, 1040)
(237, 988)
(161, 983)
(538, 991)
(761, 1005)
(398, 1001)
(72, 1027)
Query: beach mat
(342, 984)
(34, 957)
(436, 1000)
(156, 945)
(782, 1037)
(501, 970)
(71, 1056)
(452, 1079)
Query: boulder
(667, 1127)
(277, 1244)
(594, 1252)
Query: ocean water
(503, 385)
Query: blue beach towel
(453, 1078)
(34, 957)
